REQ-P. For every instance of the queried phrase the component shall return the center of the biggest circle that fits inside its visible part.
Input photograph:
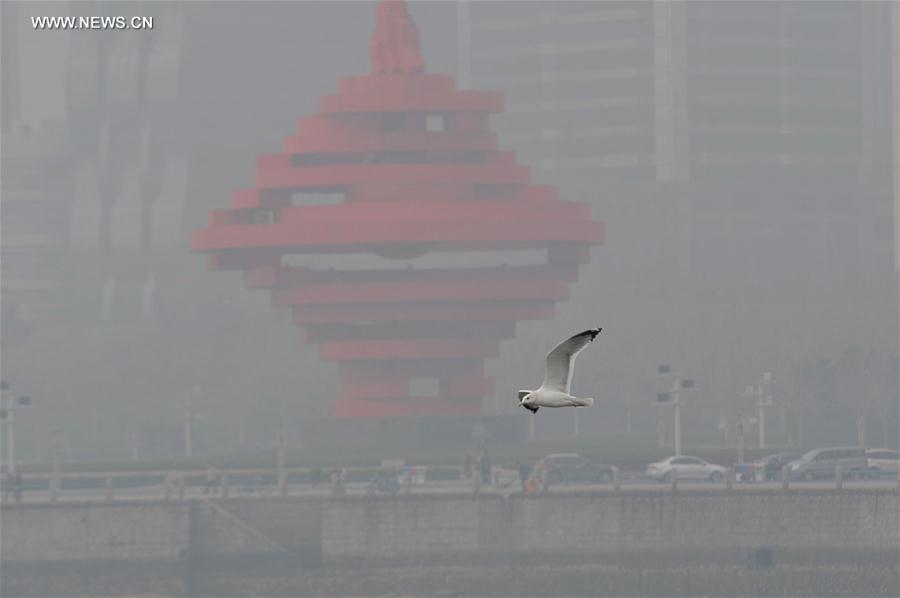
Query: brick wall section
(81, 532)
(419, 528)
(600, 526)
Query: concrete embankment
(606, 543)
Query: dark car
(823, 463)
(572, 467)
(385, 482)
(769, 468)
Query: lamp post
(677, 384)
(759, 390)
(764, 399)
(189, 420)
(188, 416)
(11, 439)
(10, 404)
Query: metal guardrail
(176, 480)
(268, 480)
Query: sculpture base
(453, 432)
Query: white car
(688, 468)
(883, 461)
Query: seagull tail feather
(583, 402)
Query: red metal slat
(332, 137)
(470, 310)
(412, 329)
(299, 237)
(313, 177)
(405, 349)
(506, 290)
(422, 407)
(427, 100)
(382, 389)
(294, 276)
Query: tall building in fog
(740, 154)
(35, 181)
(36, 176)
(129, 197)
(895, 69)
(703, 98)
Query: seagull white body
(556, 389)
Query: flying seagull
(554, 392)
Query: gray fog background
(742, 155)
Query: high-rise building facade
(37, 175)
(740, 154)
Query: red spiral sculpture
(410, 173)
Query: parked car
(821, 463)
(572, 467)
(385, 482)
(769, 468)
(883, 462)
(688, 468)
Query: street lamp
(7, 414)
(764, 399)
(673, 397)
(189, 420)
(760, 391)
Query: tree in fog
(839, 397)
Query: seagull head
(526, 399)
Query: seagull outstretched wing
(562, 358)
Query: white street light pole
(11, 440)
(678, 384)
(660, 429)
(759, 390)
(677, 425)
(9, 404)
(189, 420)
(135, 453)
(188, 449)
(762, 420)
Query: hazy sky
(766, 247)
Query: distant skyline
(725, 268)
